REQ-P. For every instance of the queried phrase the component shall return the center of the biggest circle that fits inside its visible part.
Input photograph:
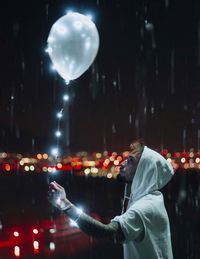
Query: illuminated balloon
(73, 44)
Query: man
(144, 227)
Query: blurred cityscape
(84, 163)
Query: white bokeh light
(52, 246)
(66, 97)
(54, 151)
(90, 16)
(62, 29)
(53, 68)
(59, 115)
(69, 11)
(58, 134)
(72, 223)
(48, 50)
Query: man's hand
(57, 196)
(120, 167)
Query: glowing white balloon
(73, 44)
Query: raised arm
(87, 224)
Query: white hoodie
(145, 224)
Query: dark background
(144, 81)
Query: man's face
(128, 167)
(136, 147)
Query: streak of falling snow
(12, 99)
(141, 32)
(16, 29)
(21, 87)
(198, 140)
(3, 133)
(114, 83)
(150, 28)
(145, 110)
(152, 109)
(198, 42)
(130, 118)
(103, 83)
(137, 131)
(119, 80)
(33, 144)
(172, 63)
(156, 68)
(104, 142)
(17, 132)
(23, 64)
(184, 139)
(41, 68)
(94, 82)
(166, 3)
(97, 77)
(47, 11)
(113, 128)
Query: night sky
(144, 82)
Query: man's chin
(123, 179)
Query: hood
(153, 173)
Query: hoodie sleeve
(131, 225)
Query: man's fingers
(56, 186)
(59, 185)
(124, 162)
(117, 169)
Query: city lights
(59, 165)
(39, 156)
(32, 168)
(17, 251)
(52, 230)
(45, 156)
(87, 171)
(16, 234)
(36, 245)
(92, 164)
(35, 231)
(52, 246)
(183, 160)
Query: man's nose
(132, 147)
